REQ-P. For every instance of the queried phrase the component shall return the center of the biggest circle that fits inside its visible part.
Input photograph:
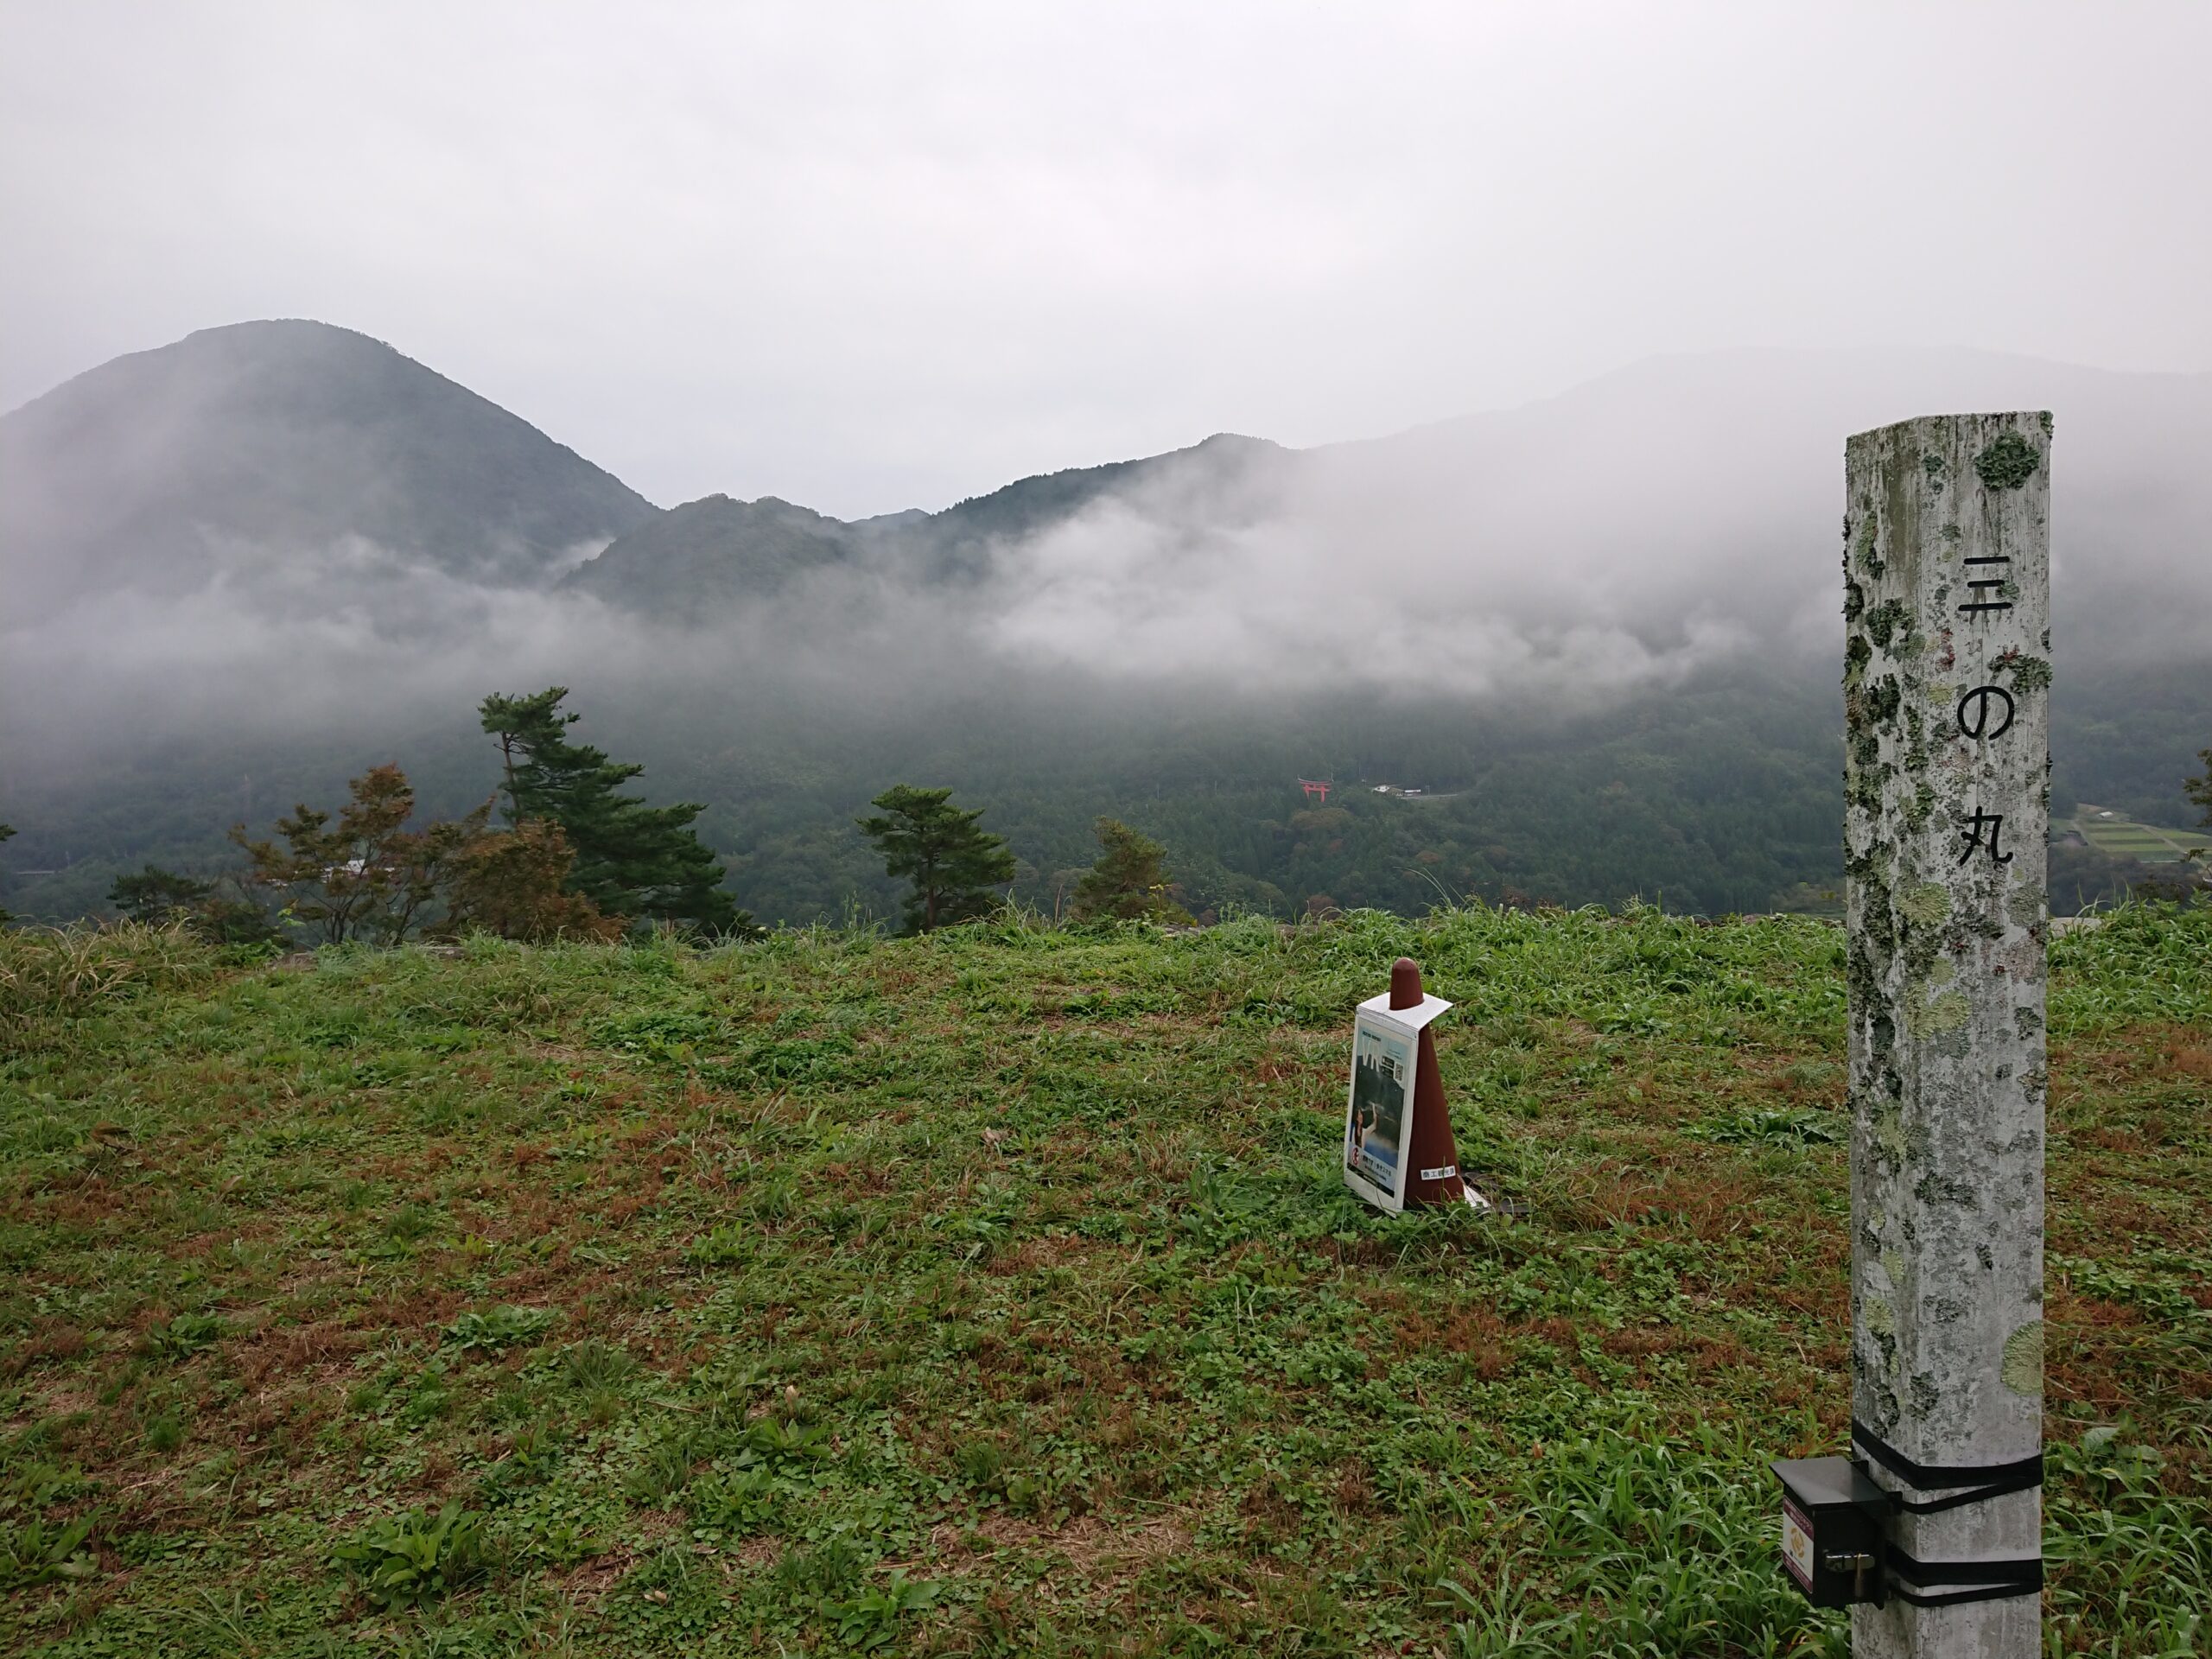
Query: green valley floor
(995, 1293)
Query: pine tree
(157, 896)
(1129, 881)
(953, 864)
(163, 898)
(2199, 791)
(631, 859)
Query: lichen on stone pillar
(1947, 677)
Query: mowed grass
(995, 1293)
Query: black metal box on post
(1832, 1530)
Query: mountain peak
(705, 553)
(285, 437)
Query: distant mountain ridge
(1703, 486)
(707, 556)
(325, 473)
(155, 469)
(711, 552)
(1604, 628)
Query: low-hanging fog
(1678, 516)
(1673, 526)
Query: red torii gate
(1313, 789)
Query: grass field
(2114, 832)
(995, 1293)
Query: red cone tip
(1405, 983)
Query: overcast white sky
(869, 257)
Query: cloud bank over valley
(288, 535)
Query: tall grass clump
(69, 973)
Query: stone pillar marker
(1946, 690)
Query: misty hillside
(711, 553)
(1600, 633)
(1225, 479)
(1636, 528)
(706, 557)
(239, 446)
(1715, 481)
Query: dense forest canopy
(1724, 796)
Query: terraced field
(2114, 832)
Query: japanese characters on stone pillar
(1946, 691)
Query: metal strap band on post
(1990, 1580)
(1980, 1482)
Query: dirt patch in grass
(1105, 1551)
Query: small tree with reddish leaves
(509, 882)
(365, 876)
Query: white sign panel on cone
(1413, 1018)
(1379, 1107)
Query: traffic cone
(1433, 1175)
